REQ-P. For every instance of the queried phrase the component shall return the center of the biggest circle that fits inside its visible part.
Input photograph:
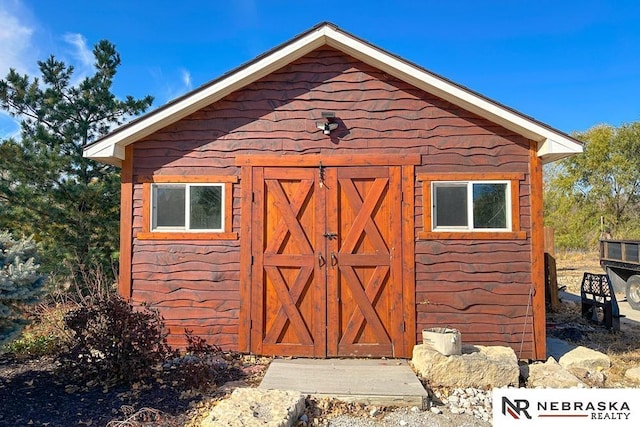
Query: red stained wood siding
(480, 287)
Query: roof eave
(552, 150)
(202, 97)
(112, 154)
(552, 144)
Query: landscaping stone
(477, 366)
(249, 407)
(472, 401)
(585, 358)
(633, 374)
(591, 378)
(551, 375)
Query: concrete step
(382, 382)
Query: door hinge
(253, 196)
(404, 326)
(251, 259)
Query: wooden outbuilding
(330, 199)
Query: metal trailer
(621, 260)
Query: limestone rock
(585, 358)
(633, 374)
(591, 378)
(551, 375)
(477, 366)
(256, 407)
(473, 401)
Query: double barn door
(327, 261)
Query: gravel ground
(405, 417)
(445, 412)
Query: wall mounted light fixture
(328, 123)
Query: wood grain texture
(244, 327)
(537, 256)
(126, 224)
(408, 257)
(378, 116)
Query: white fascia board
(118, 152)
(204, 97)
(110, 154)
(456, 95)
(551, 150)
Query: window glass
(490, 205)
(470, 205)
(187, 207)
(205, 207)
(450, 205)
(169, 206)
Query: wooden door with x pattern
(327, 273)
(364, 279)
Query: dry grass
(622, 347)
(46, 333)
(572, 265)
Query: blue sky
(571, 64)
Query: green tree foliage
(604, 182)
(47, 189)
(20, 281)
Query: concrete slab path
(388, 382)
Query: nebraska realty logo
(566, 407)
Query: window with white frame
(188, 207)
(471, 206)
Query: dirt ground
(32, 393)
(622, 347)
(572, 265)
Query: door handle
(334, 259)
(320, 260)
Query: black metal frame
(597, 294)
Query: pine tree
(20, 281)
(47, 189)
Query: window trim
(147, 233)
(468, 186)
(428, 231)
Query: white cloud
(186, 80)
(16, 51)
(170, 87)
(82, 53)
(15, 40)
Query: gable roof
(552, 143)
